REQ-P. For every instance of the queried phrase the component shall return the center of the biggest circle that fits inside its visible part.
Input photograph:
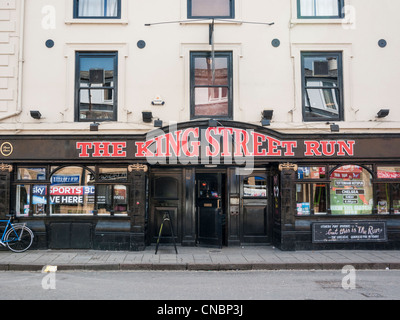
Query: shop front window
(311, 198)
(70, 191)
(311, 194)
(351, 191)
(388, 193)
(112, 199)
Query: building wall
(264, 77)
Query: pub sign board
(229, 143)
(349, 231)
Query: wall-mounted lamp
(158, 123)
(147, 117)
(94, 126)
(383, 113)
(335, 127)
(267, 117)
(36, 114)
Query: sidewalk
(195, 258)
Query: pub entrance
(210, 209)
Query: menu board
(359, 231)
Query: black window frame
(231, 16)
(339, 16)
(78, 88)
(77, 16)
(323, 54)
(229, 86)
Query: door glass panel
(255, 187)
(165, 188)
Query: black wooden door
(254, 212)
(210, 210)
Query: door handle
(219, 204)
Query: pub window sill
(320, 21)
(97, 21)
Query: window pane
(22, 200)
(255, 187)
(98, 8)
(211, 102)
(396, 198)
(304, 201)
(96, 71)
(96, 104)
(97, 86)
(165, 188)
(70, 192)
(321, 86)
(112, 199)
(351, 191)
(113, 174)
(39, 199)
(383, 198)
(321, 66)
(31, 174)
(327, 8)
(322, 103)
(203, 71)
(389, 172)
(311, 173)
(319, 8)
(211, 8)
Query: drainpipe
(20, 63)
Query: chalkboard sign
(349, 231)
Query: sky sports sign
(214, 145)
(67, 195)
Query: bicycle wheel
(19, 239)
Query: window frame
(339, 57)
(339, 16)
(77, 16)
(229, 86)
(51, 171)
(231, 10)
(78, 88)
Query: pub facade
(232, 184)
(243, 122)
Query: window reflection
(321, 86)
(255, 187)
(97, 86)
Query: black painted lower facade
(113, 192)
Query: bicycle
(16, 236)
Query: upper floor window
(322, 86)
(97, 9)
(211, 9)
(96, 86)
(329, 9)
(211, 85)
